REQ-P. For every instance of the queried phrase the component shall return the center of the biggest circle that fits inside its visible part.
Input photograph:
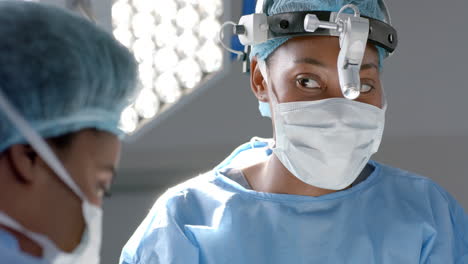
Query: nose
(333, 86)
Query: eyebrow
(312, 61)
(368, 66)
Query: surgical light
(143, 49)
(147, 104)
(166, 11)
(146, 74)
(122, 12)
(166, 59)
(187, 17)
(142, 25)
(144, 6)
(208, 28)
(165, 34)
(129, 119)
(211, 7)
(210, 56)
(124, 35)
(188, 43)
(168, 88)
(189, 73)
(175, 44)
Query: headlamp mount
(354, 32)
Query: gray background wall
(426, 129)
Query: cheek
(285, 90)
(375, 99)
(81, 165)
(82, 172)
(377, 102)
(116, 149)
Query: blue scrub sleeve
(159, 239)
(460, 219)
(451, 239)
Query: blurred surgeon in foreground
(63, 85)
(311, 194)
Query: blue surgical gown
(10, 252)
(393, 216)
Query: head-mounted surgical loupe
(353, 30)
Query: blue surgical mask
(264, 109)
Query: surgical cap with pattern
(370, 8)
(61, 72)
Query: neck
(272, 177)
(26, 245)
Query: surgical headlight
(353, 30)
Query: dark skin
(304, 69)
(32, 194)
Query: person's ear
(23, 160)
(258, 82)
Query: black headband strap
(292, 24)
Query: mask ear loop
(42, 240)
(38, 144)
(263, 69)
(273, 97)
(261, 64)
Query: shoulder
(162, 236)
(187, 196)
(200, 183)
(420, 194)
(408, 184)
(413, 183)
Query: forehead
(96, 145)
(322, 48)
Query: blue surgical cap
(61, 72)
(370, 8)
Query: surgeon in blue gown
(310, 194)
(64, 83)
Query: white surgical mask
(88, 250)
(327, 143)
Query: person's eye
(308, 83)
(103, 190)
(108, 191)
(365, 87)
